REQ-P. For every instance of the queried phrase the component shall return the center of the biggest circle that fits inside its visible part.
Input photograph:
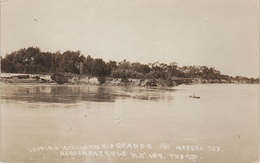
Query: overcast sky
(218, 33)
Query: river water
(49, 123)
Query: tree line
(33, 60)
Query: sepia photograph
(129, 81)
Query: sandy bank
(84, 80)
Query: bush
(59, 78)
(102, 80)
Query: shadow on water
(74, 94)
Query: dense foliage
(33, 60)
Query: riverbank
(74, 79)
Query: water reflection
(73, 94)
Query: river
(55, 123)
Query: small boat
(197, 97)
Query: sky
(217, 33)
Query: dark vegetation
(33, 61)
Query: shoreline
(74, 79)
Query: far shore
(75, 79)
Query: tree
(87, 64)
(98, 68)
(124, 65)
(158, 70)
(43, 61)
(69, 62)
(7, 66)
(141, 68)
(172, 70)
(26, 56)
(32, 60)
